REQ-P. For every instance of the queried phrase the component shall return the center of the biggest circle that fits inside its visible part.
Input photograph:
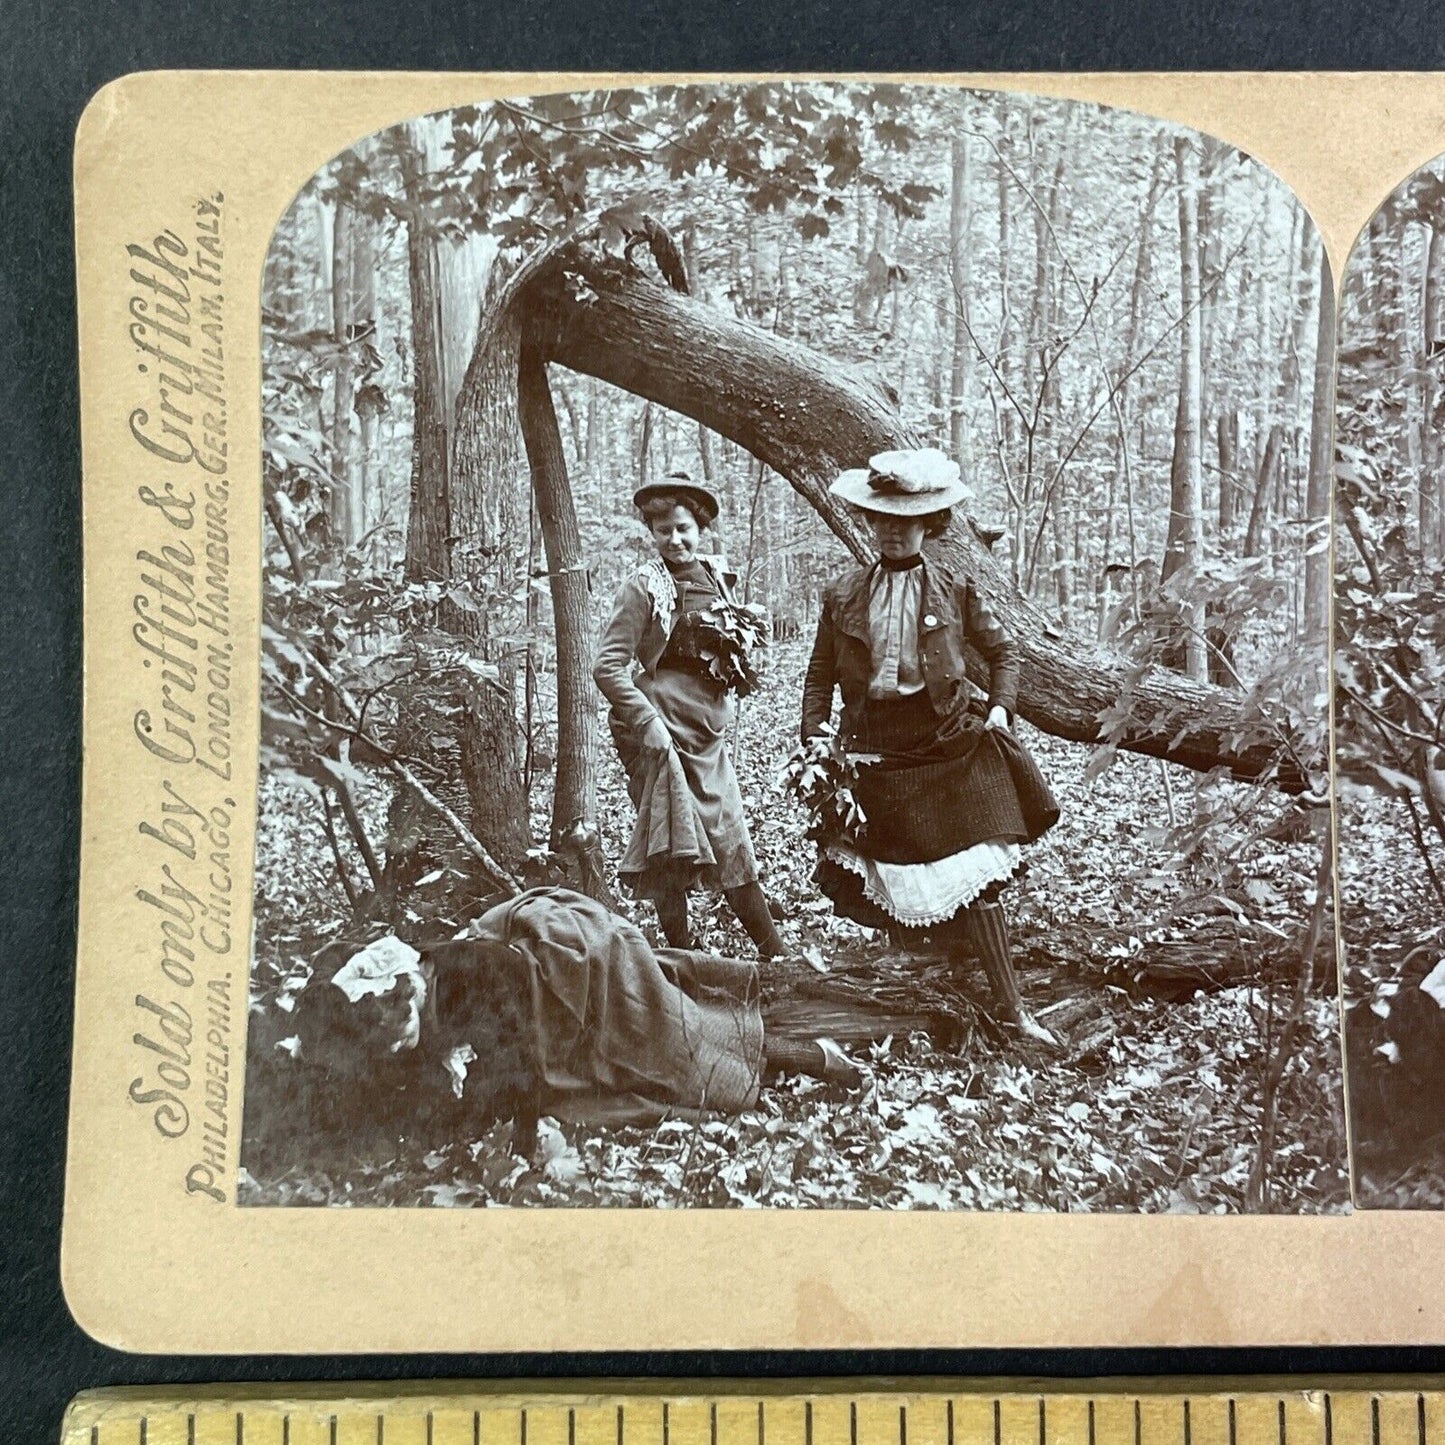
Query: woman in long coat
(953, 795)
(669, 718)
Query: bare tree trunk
(689, 260)
(1431, 511)
(1063, 594)
(486, 768)
(960, 251)
(1008, 422)
(429, 515)
(1211, 221)
(1228, 436)
(779, 580)
(783, 305)
(488, 498)
(1264, 488)
(808, 418)
(1211, 259)
(574, 801)
(1043, 383)
(1123, 462)
(467, 493)
(1321, 482)
(644, 444)
(1292, 399)
(574, 421)
(492, 757)
(366, 404)
(755, 272)
(340, 504)
(1184, 549)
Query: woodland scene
(1389, 675)
(485, 329)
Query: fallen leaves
(1157, 1113)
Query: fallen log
(808, 417)
(1201, 955)
(1073, 978)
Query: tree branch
(494, 870)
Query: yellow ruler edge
(1208, 1410)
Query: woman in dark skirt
(669, 717)
(953, 795)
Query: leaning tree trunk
(574, 802)
(1269, 466)
(808, 418)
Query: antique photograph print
(794, 662)
(1389, 674)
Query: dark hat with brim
(910, 483)
(679, 484)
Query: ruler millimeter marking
(1195, 1412)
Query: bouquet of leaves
(821, 773)
(722, 639)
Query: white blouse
(893, 605)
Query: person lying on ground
(550, 1005)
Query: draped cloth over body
(626, 1033)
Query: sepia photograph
(1389, 686)
(795, 664)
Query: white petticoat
(918, 894)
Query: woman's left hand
(997, 718)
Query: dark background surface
(52, 58)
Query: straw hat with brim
(679, 484)
(904, 483)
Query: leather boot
(987, 930)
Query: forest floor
(1164, 1116)
(1394, 935)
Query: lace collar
(661, 588)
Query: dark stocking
(986, 930)
(672, 915)
(751, 907)
(792, 1056)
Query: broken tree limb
(809, 417)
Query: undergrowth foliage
(1163, 1113)
(408, 622)
(1389, 696)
